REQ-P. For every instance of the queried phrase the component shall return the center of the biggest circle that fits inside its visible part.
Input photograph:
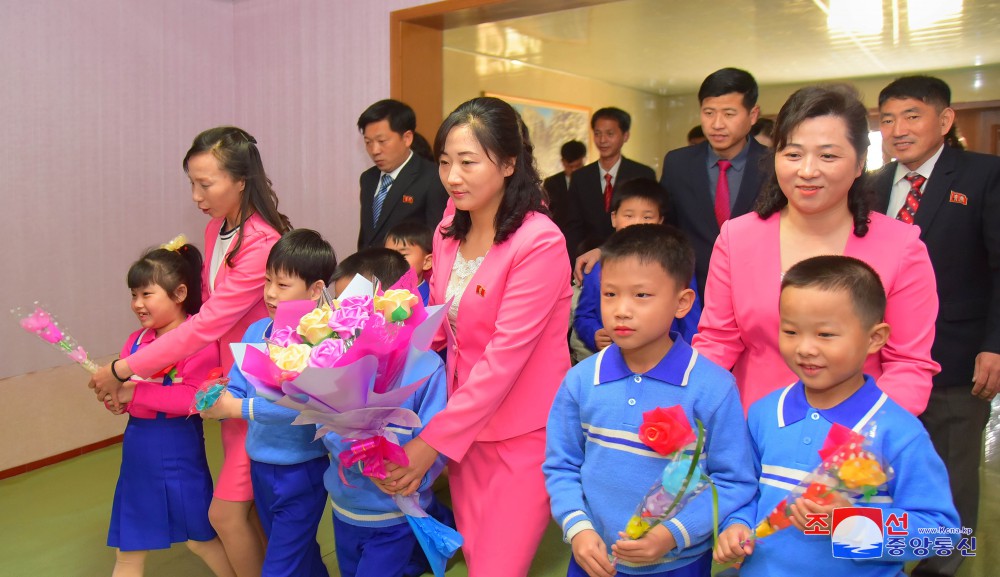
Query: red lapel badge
(480, 290)
(407, 199)
(958, 198)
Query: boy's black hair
(385, 264)
(611, 113)
(842, 273)
(645, 188)
(170, 269)
(303, 253)
(727, 81)
(663, 245)
(696, 132)
(928, 89)
(573, 150)
(412, 232)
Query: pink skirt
(233, 483)
(501, 507)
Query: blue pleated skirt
(164, 486)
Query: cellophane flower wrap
(38, 321)
(668, 432)
(347, 366)
(849, 467)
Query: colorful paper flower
(291, 358)
(861, 472)
(325, 354)
(396, 304)
(636, 527)
(315, 326)
(286, 336)
(666, 430)
(347, 320)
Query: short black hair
(421, 147)
(399, 114)
(412, 232)
(617, 114)
(927, 89)
(303, 253)
(727, 81)
(385, 264)
(763, 126)
(696, 133)
(645, 188)
(653, 243)
(842, 273)
(573, 150)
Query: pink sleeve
(531, 292)
(718, 335)
(911, 309)
(234, 296)
(440, 339)
(176, 399)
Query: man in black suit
(402, 185)
(700, 199)
(592, 187)
(573, 154)
(954, 197)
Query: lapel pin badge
(480, 290)
(958, 198)
(407, 199)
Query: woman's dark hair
(237, 154)
(170, 269)
(840, 101)
(499, 130)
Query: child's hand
(734, 544)
(602, 339)
(803, 508)
(652, 546)
(591, 554)
(227, 407)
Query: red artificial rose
(779, 517)
(839, 444)
(666, 430)
(819, 493)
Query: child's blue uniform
(587, 316)
(787, 433)
(286, 469)
(597, 471)
(372, 536)
(424, 288)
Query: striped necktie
(383, 190)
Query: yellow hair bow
(175, 243)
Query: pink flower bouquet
(41, 323)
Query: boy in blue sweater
(413, 240)
(372, 536)
(831, 311)
(286, 464)
(639, 201)
(596, 468)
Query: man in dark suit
(573, 154)
(713, 181)
(954, 197)
(402, 185)
(592, 187)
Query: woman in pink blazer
(501, 263)
(229, 184)
(817, 202)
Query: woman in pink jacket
(228, 183)
(501, 264)
(817, 202)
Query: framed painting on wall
(550, 125)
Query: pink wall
(101, 99)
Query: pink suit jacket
(740, 325)
(509, 352)
(236, 301)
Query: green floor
(54, 522)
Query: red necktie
(608, 189)
(909, 210)
(722, 193)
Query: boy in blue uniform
(412, 239)
(831, 319)
(286, 464)
(597, 470)
(371, 534)
(639, 201)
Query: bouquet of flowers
(41, 323)
(667, 431)
(347, 366)
(849, 467)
